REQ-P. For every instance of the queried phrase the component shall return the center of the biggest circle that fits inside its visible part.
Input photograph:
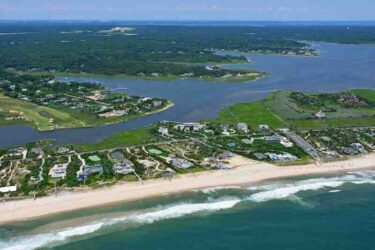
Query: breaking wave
(285, 190)
(263, 193)
(41, 240)
(216, 189)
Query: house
(272, 138)
(285, 142)
(243, 127)
(58, 171)
(8, 189)
(97, 96)
(189, 126)
(260, 156)
(147, 163)
(163, 131)
(320, 114)
(222, 165)
(88, 170)
(282, 157)
(224, 128)
(125, 167)
(359, 147)
(264, 127)
(114, 113)
(225, 155)
(62, 150)
(145, 99)
(17, 152)
(38, 151)
(332, 153)
(348, 151)
(181, 163)
(157, 104)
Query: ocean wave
(42, 240)
(285, 190)
(335, 191)
(215, 189)
(263, 193)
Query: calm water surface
(339, 67)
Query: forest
(155, 50)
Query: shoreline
(246, 172)
(169, 105)
(166, 78)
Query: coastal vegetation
(299, 110)
(157, 52)
(123, 139)
(48, 104)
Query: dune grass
(127, 138)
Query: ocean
(335, 211)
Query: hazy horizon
(190, 10)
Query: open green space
(365, 93)
(284, 109)
(127, 138)
(48, 104)
(37, 115)
(253, 114)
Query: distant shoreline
(165, 78)
(245, 172)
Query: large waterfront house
(88, 170)
(124, 167)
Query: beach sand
(245, 172)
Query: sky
(251, 10)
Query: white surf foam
(278, 190)
(335, 191)
(285, 190)
(215, 189)
(42, 240)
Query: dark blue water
(326, 212)
(339, 67)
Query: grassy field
(127, 138)
(253, 114)
(365, 93)
(42, 118)
(45, 118)
(279, 111)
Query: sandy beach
(245, 172)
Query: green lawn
(279, 111)
(50, 118)
(39, 116)
(368, 94)
(127, 138)
(253, 114)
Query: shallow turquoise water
(320, 212)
